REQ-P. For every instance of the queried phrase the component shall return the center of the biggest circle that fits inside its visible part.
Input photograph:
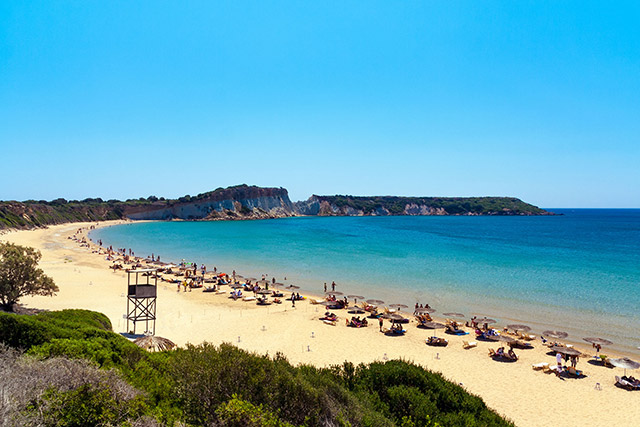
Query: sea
(578, 271)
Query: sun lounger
(467, 345)
(540, 366)
(573, 372)
(329, 322)
(441, 342)
(249, 299)
(605, 361)
(492, 352)
(625, 383)
(556, 369)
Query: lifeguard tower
(142, 292)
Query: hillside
(390, 205)
(238, 202)
(77, 371)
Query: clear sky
(534, 99)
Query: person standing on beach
(333, 286)
(381, 323)
(325, 287)
(559, 360)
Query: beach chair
(540, 366)
(605, 361)
(527, 337)
(573, 372)
(492, 352)
(467, 345)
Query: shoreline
(514, 390)
(542, 311)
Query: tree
(20, 275)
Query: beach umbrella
(375, 301)
(264, 292)
(570, 351)
(262, 282)
(524, 328)
(555, 334)
(434, 325)
(333, 293)
(625, 363)
(424, 310)
(453, 314)
(398, 306)
(600, 341)
(393, 317)
(278, 284)
(503, 338)
(485, 320)
(293, 287)
(252, 279)
(355, 296)
(356, 310)
(153, 343)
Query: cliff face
(389, 205)
(242, 202)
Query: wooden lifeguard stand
(142, 293)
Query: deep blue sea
(578, 272)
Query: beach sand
(528, 397)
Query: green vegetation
(81, 373)
(447, 205)
(20, 275)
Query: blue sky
(538, 100)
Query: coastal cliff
(239, 202)
(250, 202)
(416, 206)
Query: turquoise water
(578, 272)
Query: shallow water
(578, 272)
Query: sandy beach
(515, 390)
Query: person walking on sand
(381, 323)
(325, 287)
(333, 286)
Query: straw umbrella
(569, 351)
(398, 306)
(556, 334)
(153, 343)
(333, 293)
(393, 317)
(600, 341)
(625, 363)
(375, 301)
(355, 297)
(434, 326)
(503, 338)
(517, 327)
(356, 310)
